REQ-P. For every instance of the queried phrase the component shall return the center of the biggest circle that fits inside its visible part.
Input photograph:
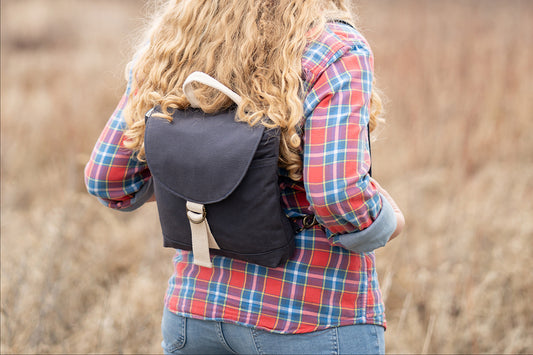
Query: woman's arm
(400, 219)
(113, 173)
(337, 157)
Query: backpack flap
(198, 157)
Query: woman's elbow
(335, 203)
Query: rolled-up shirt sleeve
(336, 148)
(113, 173)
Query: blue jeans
(183, 335)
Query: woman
(301, 64)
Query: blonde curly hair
(252, 46)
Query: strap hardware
(304, 222)
(193, 213)
(201, 237)
(309, 221)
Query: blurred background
(456, 153)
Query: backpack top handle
(205, 79)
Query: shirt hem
(375, 320)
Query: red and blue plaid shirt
(323, 285)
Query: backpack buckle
(309, 221)
(305, 222)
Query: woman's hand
(400, 219)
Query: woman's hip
(182, 335)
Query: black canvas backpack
(216, 183)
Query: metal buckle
(309, 221)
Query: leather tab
(201, 237)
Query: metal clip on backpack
(216, 183)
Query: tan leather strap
(205, 79)
(202, 238)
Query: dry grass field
(456, 153)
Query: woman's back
(322, 285)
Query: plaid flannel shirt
(323, 285)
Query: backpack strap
(201, 237)
(369, 149)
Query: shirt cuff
(376, 235)
(143, 195)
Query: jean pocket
(174, 329)
(317, 342)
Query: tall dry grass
(456, 154)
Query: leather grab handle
(205, 79)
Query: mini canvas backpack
(216, 183)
